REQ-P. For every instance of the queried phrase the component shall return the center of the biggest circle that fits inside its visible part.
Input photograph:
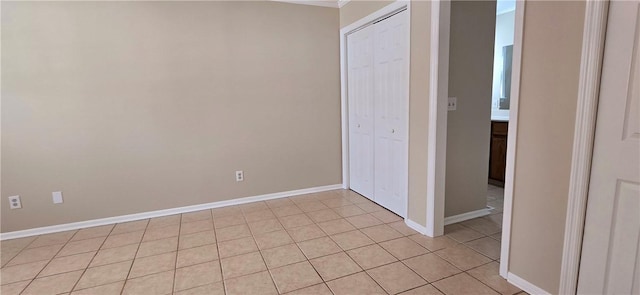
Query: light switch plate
(452, 105)
(57, 197)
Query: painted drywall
(548, 96)
(418, 95)
(468, 128)
(505, 25)
(128, 107)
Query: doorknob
(393, 131)
(358, 125)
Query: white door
(360, 94)
(610, 262)
(391, 101)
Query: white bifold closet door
(378, 93)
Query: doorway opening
(479, 123)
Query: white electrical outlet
(57, 197)
(452, 104)
(239, 176)
(14, 202)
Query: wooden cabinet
(498, 152)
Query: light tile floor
(334, 242)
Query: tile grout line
(134, 257)
(175, 268)
(94, 256)
(215, 234)
(48, 262)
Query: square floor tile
(489, 274)
(307, 232)
(265, 226)
(161, 232)
(286, 210)
(359, 283)
(277, 203)
(463, 284)
(352, 239)
(297, 220)
(93, 232)
(370, 207)
(197, 275)
(155, 284)
(101, 275)
(486, 246)
(336, 226)
(273, 239)
(403, 248)
(386, 216)
(196, 255)
(55, 284)
(350, 210)
(226, 211)
(153, 264)
(323, 215)
(82, 246)
(157, 247)
(241, 265)
(197, 239)
(196, 216)
(431, 267)
(484, 225)
(362, 221)
(21, 272)
(433, 244)
(402, 228)
(311, 206)
(228, 220)
(255, 206)
(319, 247)
(283, 255)
(131, 226)
(381, 233)
(295, 276)
(164, 221)
(237, 247)
(118, 240)
(35, 254)
(371, 256)
(461, 233)
(51, 239)
(196, 226)
(255, 284)
(335, 266)
(233, 232)
(462, 257)
(113, 255)
(67, 264)
(259, 215)
(396, 277)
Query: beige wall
(418, 95)
(468, 128)
(548, 95)
(129, 107)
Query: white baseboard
(525, 285)
(416, 226)
(466, 216)
(160, 213)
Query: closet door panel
(391, 101)
(361, 111)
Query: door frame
(436, 158)
(593, 40)
(344, 102)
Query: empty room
(315, 147)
